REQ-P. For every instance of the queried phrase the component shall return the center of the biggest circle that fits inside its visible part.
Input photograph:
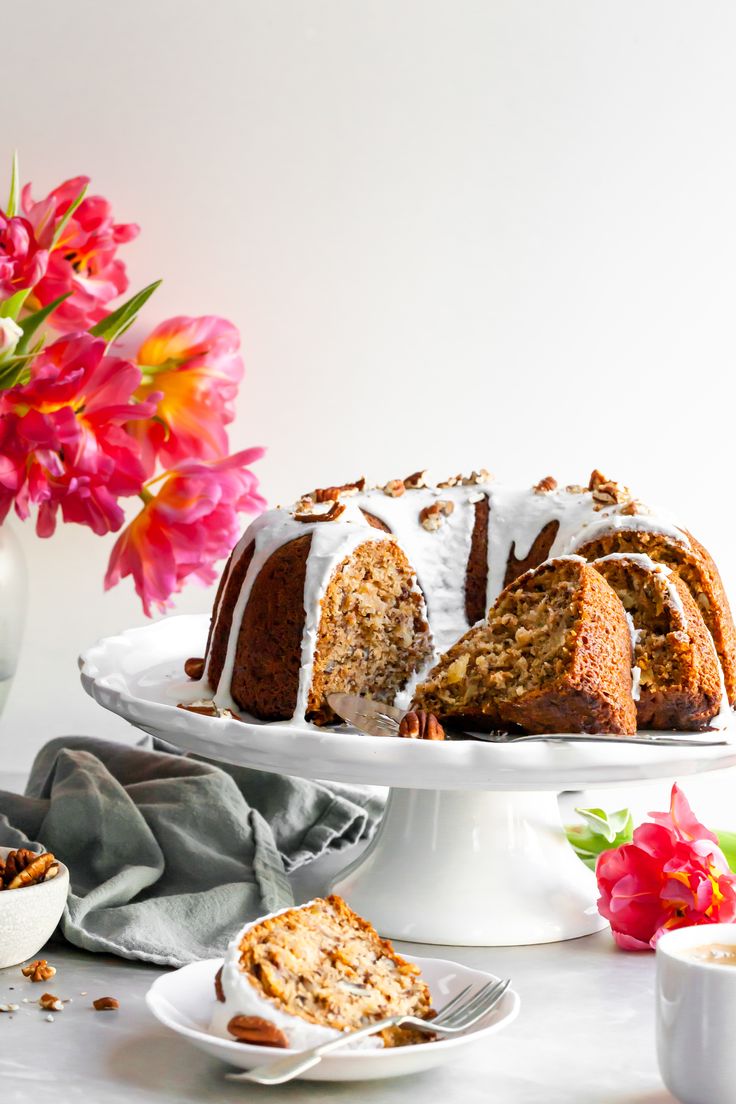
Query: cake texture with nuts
(553, 656)
(304, 975)
(362, 590)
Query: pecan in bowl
(32, 898)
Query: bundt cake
(678, 682)
(361, 590)
(553, 656)
(303, 975)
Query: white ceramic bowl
(28, 916)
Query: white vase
(13, 601)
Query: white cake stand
(470, 850)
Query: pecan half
(634, 507)
(418, 725)
(394, 488)
(431, 517)
(257, 1031)
(33, 872)
(15, 861)
(206, 707)
(39, 970)
(334, 512)
(50, 1003)
(415, 481)
(219, 992)
(451, 482)
(331, 494)
(596, 478)
(606, 492)
(105, 1004)
(482, 476)
(194, 668)
(544, 486)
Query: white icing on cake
(439, 556)
(242, 998)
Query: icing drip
(438, 556)
(330, 544)
(325, 555)
(636, 669)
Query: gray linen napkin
(168, 854)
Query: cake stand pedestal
(471, 849)
(475, 869)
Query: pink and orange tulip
(673, 874)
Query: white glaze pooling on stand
(509, 876)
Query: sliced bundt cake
(677, 677)
(553, 656)
(360, 589)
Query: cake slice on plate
(304, 975)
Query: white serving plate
(139, 675)
(184, 1002)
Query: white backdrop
(452, 234)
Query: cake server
(378, 719)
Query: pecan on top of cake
(306, 511)
(606, 492)
(432, 517)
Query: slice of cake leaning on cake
(364, 591)
(304, 975)
(678, 683)
(553, 656)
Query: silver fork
(457, 1015)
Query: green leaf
(727, 843)
(66, 216)
(599, 832)
(11, 308)
(13, 197)
(31, 322)
(121, 319)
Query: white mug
(696, 1017)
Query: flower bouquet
(87, 422)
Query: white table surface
(585, 1034)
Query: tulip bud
(10, 335)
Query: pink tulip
(83, 261)
(63, 444)
(22, 261)
(195, 364)
(189, 524)
(672, 875)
